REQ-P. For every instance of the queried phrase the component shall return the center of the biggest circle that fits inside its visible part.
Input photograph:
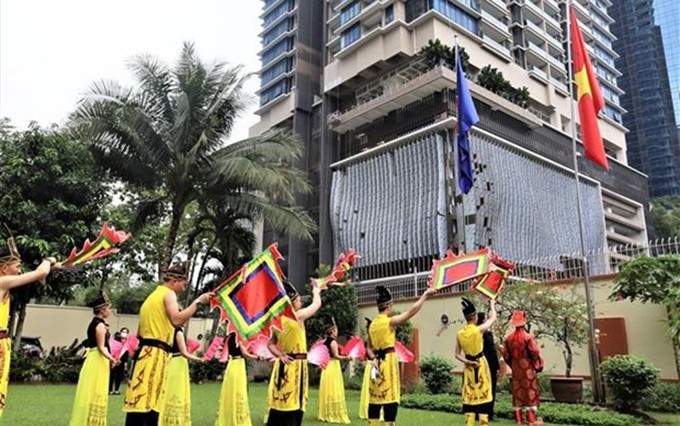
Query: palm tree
(168, 135)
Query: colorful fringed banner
(104, 245)
(254, 299)
(454, 269)
(491, 284)
(345, 262)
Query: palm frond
(157, 82)
(147, 210)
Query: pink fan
(212, 349)
(318, 355)
(131, 344)
(259, 348)
(355, 348)
(403, 354)
(116, 348)
(193, 345)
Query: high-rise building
(653, 145)
(667, 17)
(385, 118)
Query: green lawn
(51, 405)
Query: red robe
(519, 349)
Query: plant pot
(567, 389)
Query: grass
(51, 405)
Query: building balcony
(270, 7)
(492, 24)
(496, 5)
(538, 74)
(496, 48)
(537, 53)
(399, 96)
(278, 20)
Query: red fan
(403, 354)
(355, 348)
(116, 348)
(212, 349)
(318, 355)
(193, 345)
(259, 347)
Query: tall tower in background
(667, 16)
(653, 145)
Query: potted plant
(555, 313)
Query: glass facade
(667, 16)
(274, 58)
(652, 142)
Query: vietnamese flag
(589, 97)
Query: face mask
(123, 335)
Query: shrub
(571, 414)
(62, 364)
(24, 368)
(356, 381)
(206, 371)
(663, 397)
(436, 373)
(630, 378)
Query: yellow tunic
(146, 387)
(90, 406)
(476, 384)
(234, 409)
(332, 405)
(177, 408)
(5, 352)
(386, 388)
(289, 393)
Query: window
(275, 91)
(389, 14)
(268, 3)
(456, 14)
(278, 49)
(350, 35)
(271, 35)
(281, 67)
(612, 113)
(350, 12)
(275, 14)
(602, 54)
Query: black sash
(150, 343)
(475, 358)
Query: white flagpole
(592, 350)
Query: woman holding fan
(332, 406)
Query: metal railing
(546, 269)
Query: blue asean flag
(467, 117)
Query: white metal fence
(547, 269)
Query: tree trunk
(20, 327)
(177, 212)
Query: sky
(51, 51)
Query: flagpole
(459, 197)
(592, 350)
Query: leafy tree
(559, 314)
(51, 197)
(653, 280)
(167, 136)
(666, 216)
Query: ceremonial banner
(454, 269)
(254, 299)
(104, 245)
(345, 262)
(491, 284)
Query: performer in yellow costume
(477, 392)
(289, 383)
(332, 405)
(385, 390)
(90, 407)
(366, 381)
(158, 316)
(11, 277)
(233, 409)
(176, 410)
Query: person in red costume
(522, 355)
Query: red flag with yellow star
(589, 97)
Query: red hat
(519, 319)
